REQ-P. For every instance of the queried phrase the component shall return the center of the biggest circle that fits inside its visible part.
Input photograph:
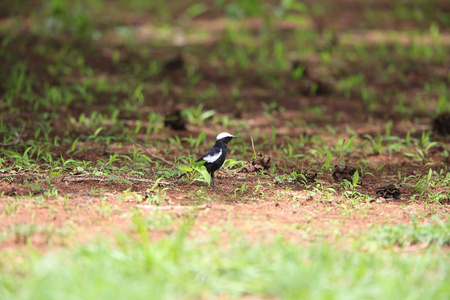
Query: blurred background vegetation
(76, 54)
(71, 67)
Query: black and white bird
(215, 157)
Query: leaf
(432, 144)
(198, 164)
(69, 161)
(355, 178)
(200, 168)
(97, 131)
(195, 10)
(327, 160)
(207, 114)
(294, 5)
(74, 145)
(145, 157)
(430, 173)
(201, 137)
(186, 169)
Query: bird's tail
(181, 176)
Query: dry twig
(41, 176)
(307, 211)
(80, 178)
(174, 207)
(148, 181)
(253, 147)
(153, 155)
(13, 142)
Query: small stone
(389, 191)
(343, 172)
(441, 124)
(306, 178)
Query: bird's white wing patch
(213, 158)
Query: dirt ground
(87, 207)
(296, 214)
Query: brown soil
(94, 208)
(297, 214)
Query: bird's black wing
(214, 154)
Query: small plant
(23, 232)
(196, 115)
(240, 191)
(200, 169)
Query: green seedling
(196, 115)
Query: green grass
(437, 232)
(177, 267)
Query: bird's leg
(212, 181)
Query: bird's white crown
(224, 135)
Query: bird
(215, 157)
